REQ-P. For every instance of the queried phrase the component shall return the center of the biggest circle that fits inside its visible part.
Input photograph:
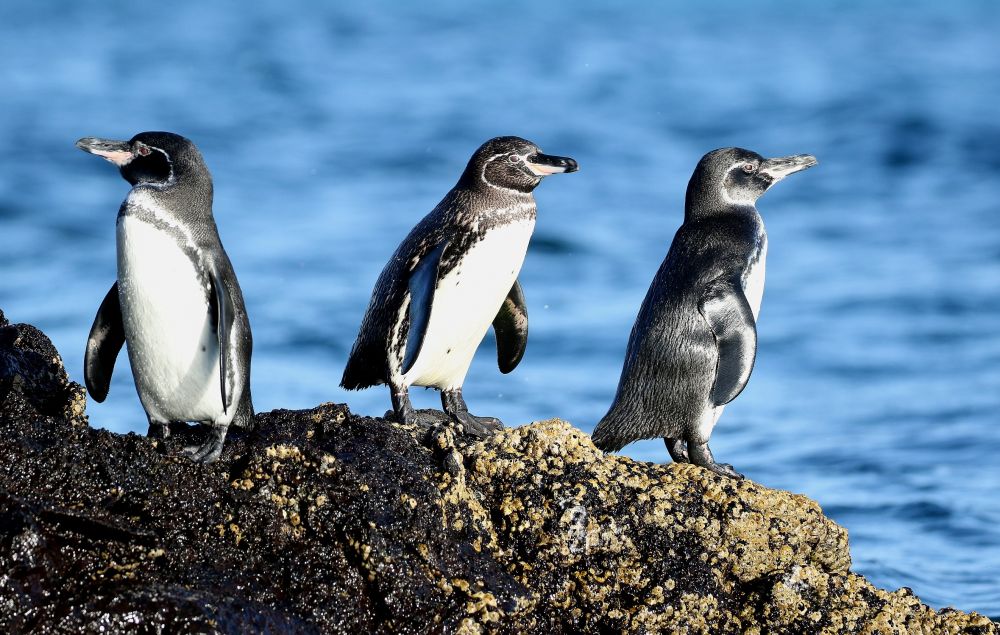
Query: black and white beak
(546, 164)
(117, 152)
(780, 167)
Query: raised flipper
(511, 328)
(107, 336)
(224, 314)
(422, 284)
(728, 313)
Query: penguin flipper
(421, 285)
(107, 335)
(728, 313)
(511, 328)
(224, 314)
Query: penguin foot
(479, 427)
(158, 430)
(211, 450)
(454, 404)
(677, 450)
(701, 455)
(404, 412)
(420, 418)
(724, 469)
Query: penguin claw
(420, 418)
(480, 427)
(208, 452)
(725, 469)
(701, 455)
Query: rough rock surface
(322, 521)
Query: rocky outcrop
(322, 521)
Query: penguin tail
(350, 381)
(358, 375)
(608, 433)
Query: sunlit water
(331, 130)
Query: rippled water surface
(331, 130)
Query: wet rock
(321, 521)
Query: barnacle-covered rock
(321, 521)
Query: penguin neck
(701, 209)
(187, 197)
(475, 206)
(490, 195)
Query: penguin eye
(513, 158)
(749, 168)
(143, 151)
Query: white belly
(753, 288)
(171, 340)
(465, 302)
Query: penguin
(176, 300)
(694, 341)
(453, 276)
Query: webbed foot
(419, 418)
(724, 469)
(454, 404)
(476, 426)
(701, 455)
(404, 412)
(209, 451)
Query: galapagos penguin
(176, 301)
(694, 342)
(451, 277)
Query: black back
(671, 356)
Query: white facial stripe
(482, 175)
(750, 199)
(170, 179)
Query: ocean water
(331, 128)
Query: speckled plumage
(450, 278)
(460, 219)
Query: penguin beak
(117, 152)
(780, 167)
(546, 164)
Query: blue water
(331, 130)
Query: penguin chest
(466, 301)
(753, 277)
(172, 344)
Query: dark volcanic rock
(322, 522)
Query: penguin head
(512, 163)
(734, 177)
(156, 158)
